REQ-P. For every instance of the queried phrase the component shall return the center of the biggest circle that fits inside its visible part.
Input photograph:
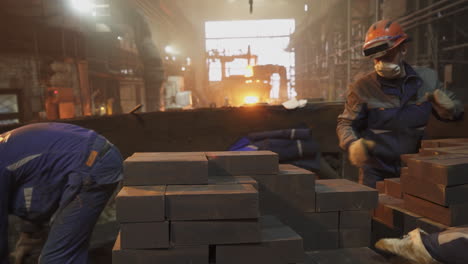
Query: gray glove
(409, 247)
(442, 103)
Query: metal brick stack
(431, 192)
(362, 255)
(328, 214)
(199, 208)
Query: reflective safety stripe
(4, 139)
(299, 147)
(293, 133)
(21, 162)
(378, 131)
(381, 131)
(28, 197)
(252, 147)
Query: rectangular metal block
(140, 204)
(406, 157)
(156, 154)
(291, 187)
(223, 180)
(145, 235)
(381, 230)
(430, 226)
(186, 255)
(211, 202)
(344, 195)
(391, 212)
(240, 163)
(454, 215)
(353, 238)
(355, 219)
(304, 223)
(164, 169)
(281, 239)
(296, 186)
(189, 233)
(406, 218)
(393, 187)
(245, 254)
(380, 186)
(446, 142)
(321, 240)
(267, 192)
(436, 193)
(361, 255)
(404, 170)
(309, 225)
(280, 244)
(446, 170)
(444, 151)
(386, 211)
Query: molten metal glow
(251, 99)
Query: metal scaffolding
(328, 42)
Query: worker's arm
(4, 193)
(445, 106)
(351, 120)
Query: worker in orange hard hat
(385, 43)
(387, 110)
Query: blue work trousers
(81, 206)
(71, 230)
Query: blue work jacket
(392, 113)
(38, 162)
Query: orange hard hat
(383, 36)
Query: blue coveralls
(448, 247)
(60, 170)
(293, 146)
(392, 113)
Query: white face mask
(388, 70)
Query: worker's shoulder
(428, 75)
(421, 70)
(366, 81)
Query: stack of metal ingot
(431, 193)
(363, 255)
(328, 214)
(198, 208)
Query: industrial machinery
(253, 86)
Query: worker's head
(386, 44)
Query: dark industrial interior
(208, 79)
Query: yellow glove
(359, 151)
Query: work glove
(442, 103)
(359, 151)
(409, 247)
(28, 245)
